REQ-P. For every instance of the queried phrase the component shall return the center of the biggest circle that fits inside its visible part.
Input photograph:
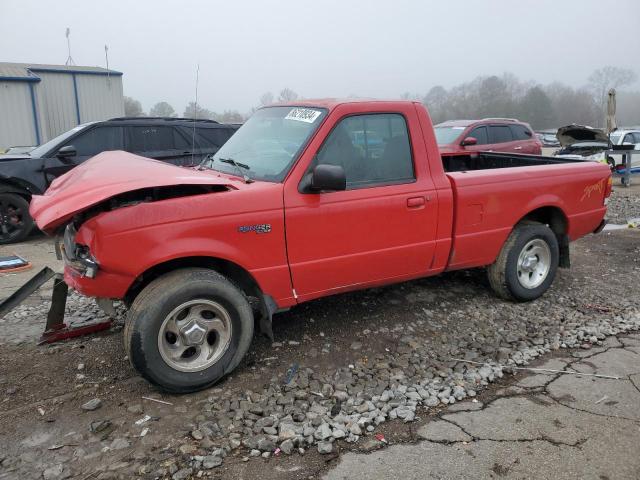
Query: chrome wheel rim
(534, 263)
(195, 335)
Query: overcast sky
(376, 48)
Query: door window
(153, 138)
(520, 132)
(373, 150)
(96, 140)
(500, 134)
(628, 138)
(480, 134)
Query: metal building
(38, 102)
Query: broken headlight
(77, 256)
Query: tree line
(133, 108)
(542, 106)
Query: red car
(487, 135)
(304, 201)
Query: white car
(630, 138)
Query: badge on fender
(261, 228)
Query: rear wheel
(15, 221)
(527, 263)
(188, 329)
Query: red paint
(319, 244)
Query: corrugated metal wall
(16, 115)
(56, 94)
(100, 97)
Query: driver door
(380, 229)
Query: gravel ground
(342, 370)
(624, 203)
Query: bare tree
(572, 106)
(287, 95)
(162, 109)
(536, 108)
(601, 80)
(266, 99)
(628, 108)
(436, 102)
(230, 116)
(196, 111)
(132, 108)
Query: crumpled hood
(571, 134)
(109, 174)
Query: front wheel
(15, 221)
(188, 329)
(527, 263)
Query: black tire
(503, 273)
(151, 307)
(15, 222)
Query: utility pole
(106, 57)
(69, 58)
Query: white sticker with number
(306, 115)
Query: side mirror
(469, 141)
(66, 152)
(328, 178)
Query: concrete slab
(541, 379)
(466, 406)
(527, 435)
(522, 418)
(443, 431)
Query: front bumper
(83, 273)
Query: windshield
(615, 138)
(447, 135)
(269, 142)
(43, 149)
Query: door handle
(518, 148)
(415, 202)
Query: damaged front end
(582, 142)
(75, 250)
(77, 257)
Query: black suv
(180, 141)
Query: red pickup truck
(305, 200)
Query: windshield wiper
(239, 166)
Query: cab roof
(331, 103)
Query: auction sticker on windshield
(306, 115)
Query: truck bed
(492, 190)
(492, 160)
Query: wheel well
(9, 188)
(557, 221)
(233, 272)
